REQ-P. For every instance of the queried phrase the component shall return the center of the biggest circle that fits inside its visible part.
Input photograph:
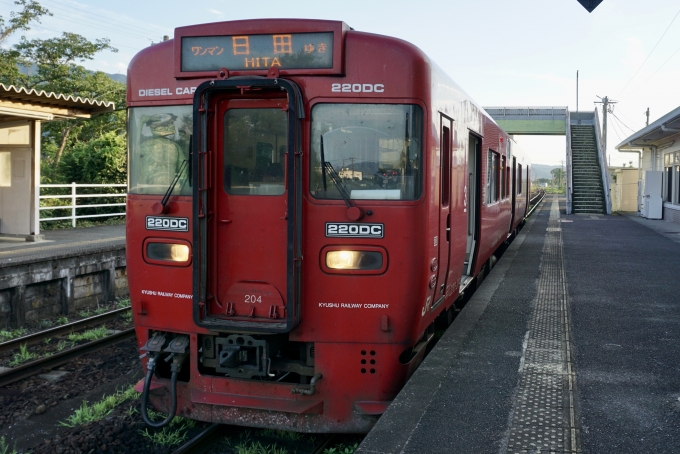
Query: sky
(502, 52)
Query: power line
(61, 31)
(657, 43)
(118, 23)
(664, 63)
(98, 26)
(614, 115)
(616, 132)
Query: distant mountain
(118, 77)
(541, 171)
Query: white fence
(74, 196)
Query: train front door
(250, 225)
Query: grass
(4, 447)
(62, 320)
(282, 434)
(99, 410)
(46, 323)
(342, 449)
(48, 340)
(23, 356)
(84, 313)
(6, 335)
(255, 447)
(90, 335)
(62, 345)
(123, 303)
(173, 434)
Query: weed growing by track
(90, 335)
(342, 449)
(6, 335)
(4, 447)
(87, 414)
(171, 435)
(256, 447)
(23, 356)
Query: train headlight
(164, 252)
(354, 260)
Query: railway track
(56, 359)
(209, 437)
(61, 330)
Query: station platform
(61, 242)
(570, 345)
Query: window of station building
(158, 145)
(492, 186)
(15, 133)
(668, 177)
(368, 151)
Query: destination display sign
(247, 52)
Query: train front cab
(326, 231)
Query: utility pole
(605, 108)
(647, 124)
(577, 90)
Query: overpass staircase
(587, 189)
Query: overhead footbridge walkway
(587, 176)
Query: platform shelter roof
(20, 103)
(661, 134)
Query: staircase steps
(587, 189)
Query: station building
(658, 149)
(21, 114)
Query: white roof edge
(84, 102)
(670, 116)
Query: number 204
(252, 299)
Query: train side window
(502, 179)
(508, 177)
(492, 177)
(519, 179)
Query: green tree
(54, 65)
(32, 11)
(558, 177)
(98, 161)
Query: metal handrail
(74, 205)
(602, 157)
(570, 182)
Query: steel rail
(542, 196)
(57, 359)
(330, 439)
(60, 330)
(202, 442)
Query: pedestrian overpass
(587, 176)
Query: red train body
(339, 193)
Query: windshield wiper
(335, 178)
(178, 175)
(327, 168)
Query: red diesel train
(304, 201)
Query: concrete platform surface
(570, 345)
(15, 251)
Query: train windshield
(158, 144)
(373, 151)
